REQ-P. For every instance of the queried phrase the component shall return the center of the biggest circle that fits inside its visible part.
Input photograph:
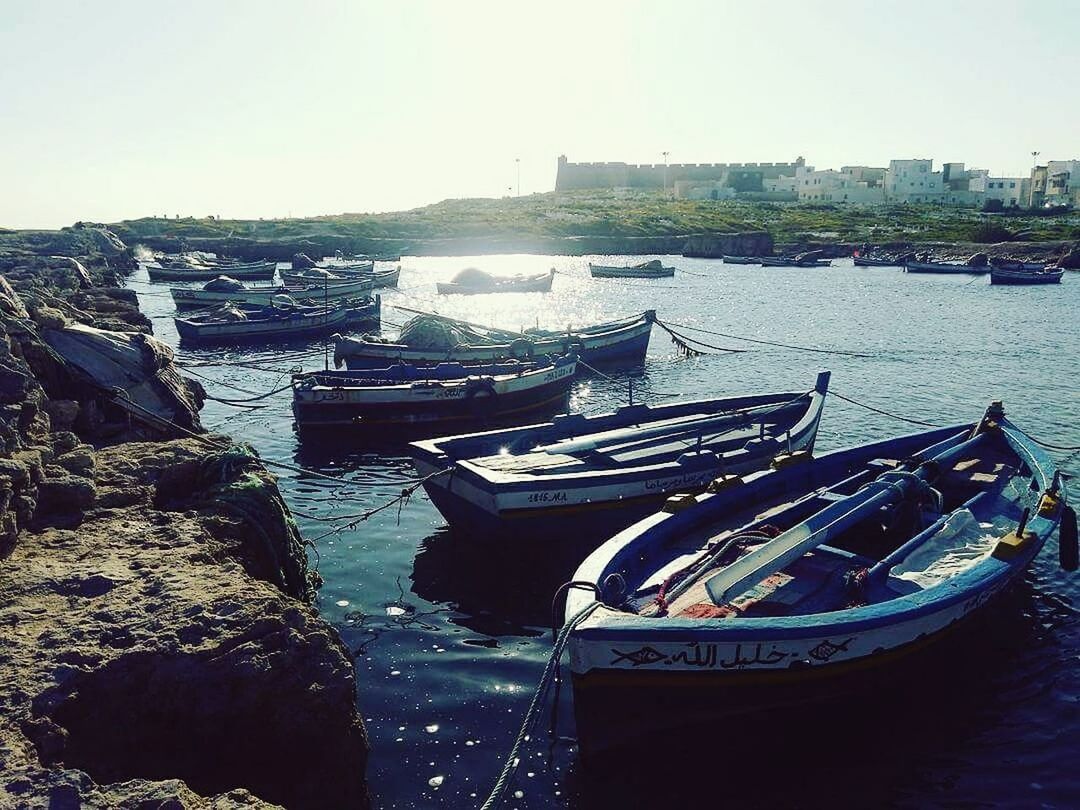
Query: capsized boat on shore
(775, 586)
(428, 339)
(594, 474)
(449, 394)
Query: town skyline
(351, 108)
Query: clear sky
(117, 108)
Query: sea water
(450, 636)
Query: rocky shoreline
(159, 648)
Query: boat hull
(622, 345)
(378, 278)
(1024, 277)
(432, 406)
(261, 272)
(257, 295)
(538, 284)
(945, 269)
(603, 271)
(863, 261)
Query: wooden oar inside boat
(890, 487)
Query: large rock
(141, 662)
(1071, 260)
(713, 246)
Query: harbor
(423, 607)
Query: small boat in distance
(1009, 277)
(224, 289)
(651, 269)
(584, 476)
(472, 281)
(945, 268)
(741, 259)
(430, 339)
(378, 278)
(449, 394)
(783, 585)
(875, 261)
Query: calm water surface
(450, 636)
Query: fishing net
(474, 277)
(223, 284)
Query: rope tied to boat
(683, 343)
(756, 340)
(537, 703)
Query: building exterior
(913, 181)
(852, 184)
(1012, 191)
(742, 177)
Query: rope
(834, 393)
(1048, 446)
(609, 378)
(534, 707)
(682, 342)
(766, 342)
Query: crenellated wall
(741, 176)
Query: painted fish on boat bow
(771, 586)
(594, 475)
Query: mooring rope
(539, 697)
(838, 395)
(683, 341)
(764, 342)
(616, 380)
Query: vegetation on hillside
(628, 214)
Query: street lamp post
(665, 154)
(1031, 183)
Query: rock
(62, 413)
(1070, 260)
(49, 318)
(63, 495)
(713, 246)
(79, 461)
(978, 260)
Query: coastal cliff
(158, 644)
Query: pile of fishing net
(433, 332)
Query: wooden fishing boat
(1005, 276)
(793, 261)
(378, 278)
(742, 259)
(219, 291)
(594, 475)
(430, 397)
(190, 272)
(872, 261)
(652, 269)
(347, 267)
(471, 281)
(232, 324)
(1011, 264)
(615, 342)
(776, 587)
(945, 268)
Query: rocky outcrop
(1070, 260)
(714, 246)
(153, 637)
(157, 647)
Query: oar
(777, 554)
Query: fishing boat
(224, 289)
(793, 261)
(591, 475)
(347, 267)
(472, 281)
(1006, 276)
(282, 320)
(773, 588)
(427, 339)
(873, 261)
(945, 268)
(191, 272)
(742, 259)
(652, 269)
(1000, 263)
(430, 397)
(378, 278)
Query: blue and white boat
(780, 583)
(586, 477)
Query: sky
(117, 109)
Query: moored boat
(782, 584)
(224, 289)
(191, 272)
(278, 321)
(429, 339)
(742, 259)
(651, 269)
(945, 268)
(1007, 276)
(471, 281)
(793, 261)
(378, 278)
(874, 261)
(408, 396)
(591, 475)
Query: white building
(913, 181)
(860, 185)
(1012, 191)
(1063, 182)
